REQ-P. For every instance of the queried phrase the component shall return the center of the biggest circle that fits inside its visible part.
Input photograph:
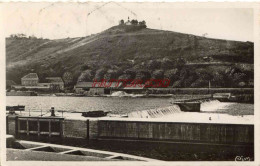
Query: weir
(155, 113)
(191, 105)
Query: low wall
(75, 128)
(11, 125)
(177, 132)
(212, 133)
(80, 129)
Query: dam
(163, 125)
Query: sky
(62, 20)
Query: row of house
(94, 88)
(32, 81)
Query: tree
(171, 75)
(20, 35)
(124, 77)
(67, 78)
(180, 62)
(100, 74)
(121, 22)
(187, 82)
(166, 63)
(251, 83)
(32, 37)
(199, 83)
(234, 76)
(242, 84)
(177, 84)
(131, 73)
(153, 64)
(111, 74)
(218, 79)
(158, 74)
(143, 75)
(84, 67)
(142, 24)
(204, 74)
(134, 22)
(85, 76)
(184, 73)
(238, 77)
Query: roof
(114, 84)
(31, 76)
(98, 85)
(54, 79)
(84, 85)
(129, 86)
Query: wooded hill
(134, 52)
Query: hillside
(130, 52)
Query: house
(30, 79)
(55, 83)
(128, 22)
(88, 88)
(81, 87)
(96, 88)
(134, 88)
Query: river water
(118, 105)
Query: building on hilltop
(128, 22)
(133, 22)
(30, 79)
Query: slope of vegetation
(132, 52)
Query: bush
(158, 74)
(85, 76)
(153, 64)
(100, 74)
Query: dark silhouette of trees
(153, 64)
(134, 22)
(121, 22)
(86, 76)
(67, 78)
(100, 74)
(142, 24)
(158, 74)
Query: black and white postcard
(134, 83)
